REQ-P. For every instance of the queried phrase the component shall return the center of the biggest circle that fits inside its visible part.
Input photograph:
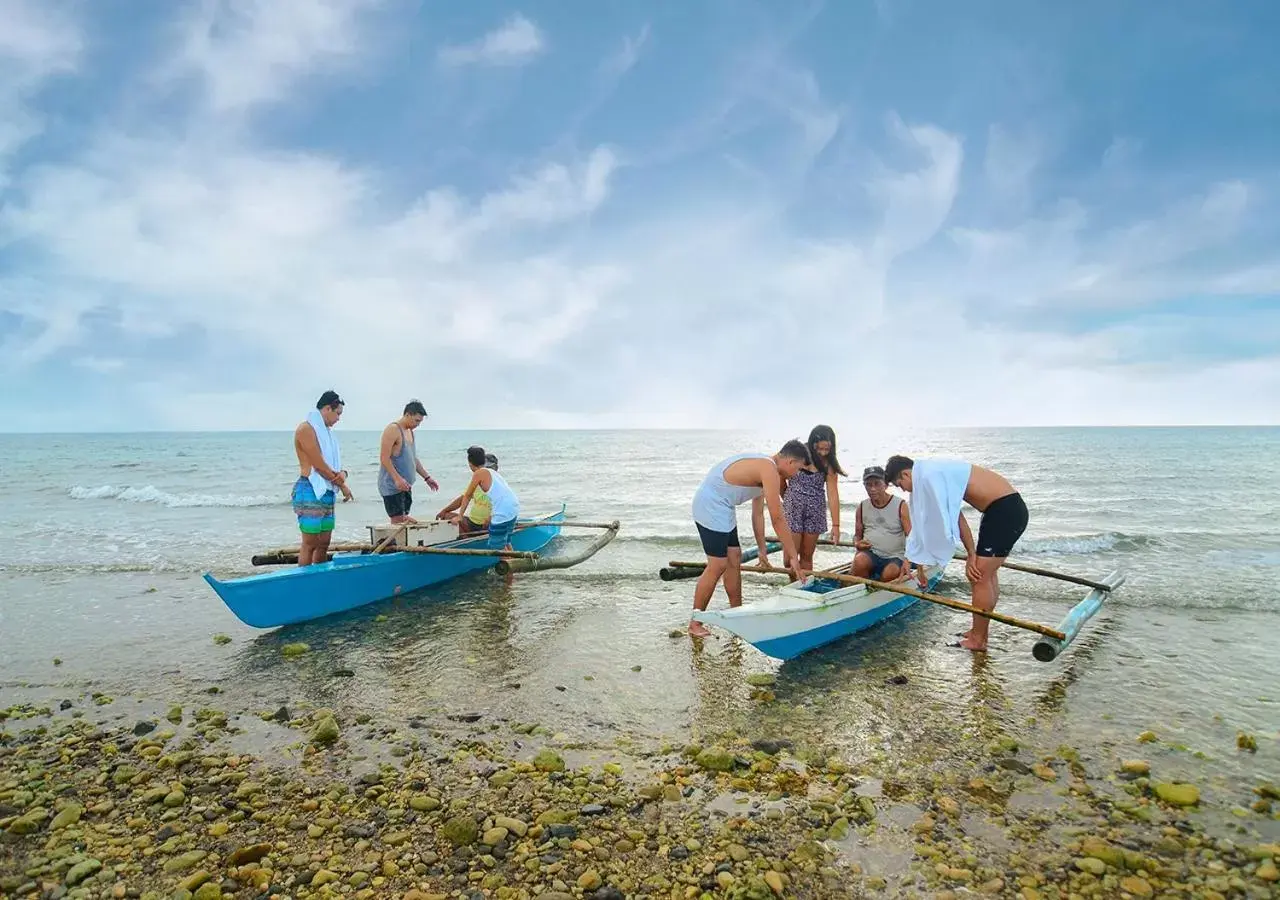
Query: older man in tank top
(400, 463)
(880, 531)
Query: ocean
(104, 539)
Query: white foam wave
(152, 494)
(1077, 543)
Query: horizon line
(456, 428)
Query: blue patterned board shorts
(500, 534)
(805, 503)
(315, 515)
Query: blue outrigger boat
(353, 579)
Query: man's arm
(471, 488)
(426, 476)
(305, 435)
(857, 528)
(456, 503)
(966, 536)
(757, 528)
(904, 516)
(773, 498)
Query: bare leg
(891, 572)
(733, 577)
(808, 542)
(862, 564)
(510, 576)
(307, 549)
(705, 587)
(321, 551)
(986, 593)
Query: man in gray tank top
(399, 464)
(880, 531)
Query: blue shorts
(879, 563)
(500, 534)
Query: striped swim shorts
(315, 516)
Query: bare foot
(697, 629)
(970, 644)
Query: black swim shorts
(717, 543)
(398, 504)
(1002, 524)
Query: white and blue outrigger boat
(830, 605)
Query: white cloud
(36, 44)
(249, 52)
(539, 299)
(514, 43)
(627, 56)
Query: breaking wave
(151, 494)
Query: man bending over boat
(731, 482)
(478, 514)
(880, 531)
(937, 488)
(400, 464)
(320, 471)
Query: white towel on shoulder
(328, 450)
(937, 491)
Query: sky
(722, 213)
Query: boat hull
(351, 580)
(800, 618)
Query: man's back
(716, 498)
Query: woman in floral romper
(813, 491)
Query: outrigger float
(832, 604)
(397, 560)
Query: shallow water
(105, 537)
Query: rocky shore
(206, 804)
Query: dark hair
(329, 398)
(415, 408)
(490, 461)
(895, 467)
(475, 456)
(795, 450)
(824, 433)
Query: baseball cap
(873, 472)
(490, 461)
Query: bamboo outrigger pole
(676, 571)
(289, 556)
(1007, 564)
(508, 566)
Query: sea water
(103, 540)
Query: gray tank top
(883, 527)
(405, 462)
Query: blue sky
(622, 214)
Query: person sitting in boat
(731, 482)
(880, 530)
(811, 492)
(504, 508)
(400, 464)
(938, 488)
(320, 471)
(478, 513)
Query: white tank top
(715, 504)
(883, 527)
(502, 499)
